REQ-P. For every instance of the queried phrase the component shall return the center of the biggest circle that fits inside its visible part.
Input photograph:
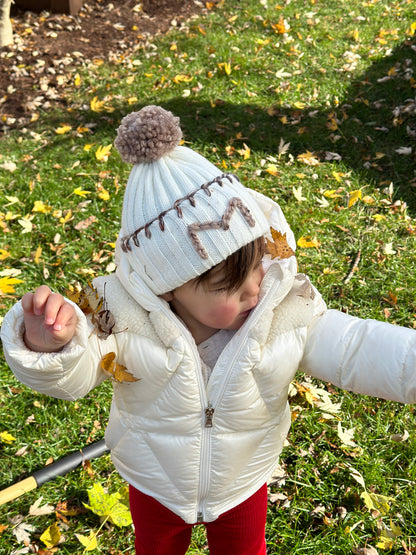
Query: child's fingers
(35, 302)
(65, 315)
(54, 305)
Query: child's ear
(167, 296)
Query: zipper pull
(209, 413)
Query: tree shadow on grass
(372, 129)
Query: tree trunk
(6, 32)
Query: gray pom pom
(147, 135)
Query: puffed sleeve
(68, 374)
(365, 356)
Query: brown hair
(236, 267)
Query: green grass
(242, 90)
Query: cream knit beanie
(181, 214)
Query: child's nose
(252, 283)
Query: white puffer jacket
(159, 434)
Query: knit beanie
(181, 214)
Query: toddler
(209, 329)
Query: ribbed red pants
(239, 531)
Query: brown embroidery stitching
(224, 224)
(125, 241)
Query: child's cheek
(225, 314)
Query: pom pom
(147, 135)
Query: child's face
(208, 307)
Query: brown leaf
(84, 224)
(279, 248)
(118, 371)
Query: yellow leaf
(77, 80)
(4, 254)
(245, 152)
(97, 105)
(104, 194)
(89, 542)
(299, 105)
(376, 502)
(308, 243)
(379, 217)
(66, 217)
(385, 542)
(272, 169)
(353, 197)
(51, 535)
(40, 206)
(308, 158)
(103, 152)
(63, 129)
(226, 67)
(80, 192)
(6, 284)
(182, 79)
(331, 193)
(5, 437)
(338, 175)
(281, 27)
(38, 254)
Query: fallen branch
(353, 267)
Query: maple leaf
(6, 284)
(346, 436)
(102, 153)
(118, 371)
(112, 507)
(279, 247)
(377, 502)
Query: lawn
(312, 103)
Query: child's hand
(50, 320)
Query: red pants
(239, 531)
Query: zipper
(207, 406)
(206, 423)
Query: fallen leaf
(22, 532)
(102, 153)
(308, 243)
(37, 510)
(6, 284)
(51, 536)
(84, 224)
(113, 507)
(89, 542)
